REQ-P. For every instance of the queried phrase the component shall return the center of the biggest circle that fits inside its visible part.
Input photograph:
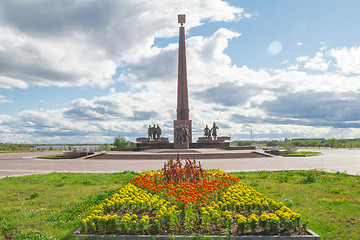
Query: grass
(52, 204)
(299, 154)
(331, 201)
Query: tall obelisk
(182, 110)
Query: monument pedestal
(147, 140)
(181, 145)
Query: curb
(311, 236)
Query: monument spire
(182, 94)
(182, 111)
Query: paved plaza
(332, 160)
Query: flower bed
(185, 199)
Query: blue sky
(85, 71)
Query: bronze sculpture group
(154, 133)
(182, 134)
(211, 133)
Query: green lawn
(53, 204)
(301, 154)
(331, 201)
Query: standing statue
(150, 133)
(207, 132)
(214, 130)
(157, 133)
(154, 133)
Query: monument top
(181, 19)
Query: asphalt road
(332, 160)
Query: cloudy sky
(84, 71)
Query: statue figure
(214, 130)
(157, 133)
(154, 133)
(186, 134)
(150, 132)
(178, 134)
(207, 132)
(182, 134)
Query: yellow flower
(286, 216)
(273, 217)
(264, 217)
(253, 218)
(241, 220)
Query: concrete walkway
(332, 160)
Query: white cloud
(31, 123)
(323, 48)
(293, 67)
(317, 63)
(4, 100)
(60, 62)
(76, 43)
(6, 82)
(347, 59)
(302, 59)
(299, 43)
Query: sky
(85, 71)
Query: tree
(121, 142)
(105, 146)
(333, 143)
